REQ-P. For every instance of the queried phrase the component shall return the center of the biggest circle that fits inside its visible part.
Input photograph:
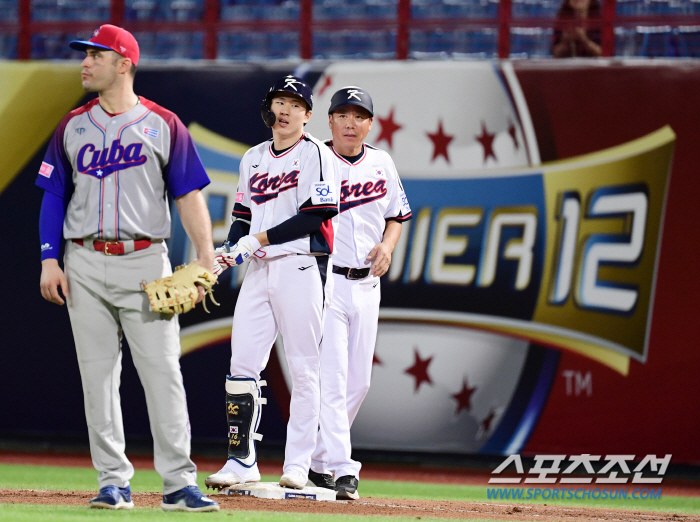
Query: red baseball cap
(113, 38)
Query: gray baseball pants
(106, 302)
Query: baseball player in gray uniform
(106, 173)
(283, 223)
(372, 207)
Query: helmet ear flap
(267, 115)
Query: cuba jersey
(275, 187)
(113, 169)
(370, 194)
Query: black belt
(351, 273)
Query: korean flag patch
(323, 194)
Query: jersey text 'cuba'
(110, 159)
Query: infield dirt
(365, 506)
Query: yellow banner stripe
(33, 99)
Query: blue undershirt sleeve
(53, 212)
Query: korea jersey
(115, 170)
(370, 194)
(275, 187)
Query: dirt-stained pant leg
(154, 340)
(97, 336)
(114, 303)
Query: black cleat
(346, 488)
(320, 480)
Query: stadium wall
(540, 301)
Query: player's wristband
(252, 241)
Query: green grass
(16, 476)
(37, 513)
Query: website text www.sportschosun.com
(572, 494)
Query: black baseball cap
(351, 95)
(293, 85)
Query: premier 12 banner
(507, 261)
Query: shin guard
(243, 407)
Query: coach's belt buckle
(356, 273)
(119, 246)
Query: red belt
(116, 248)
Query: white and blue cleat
(112, 497)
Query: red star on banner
(326, 84)
(513, 134)
(486, 423)
(440, 142)
(486, 141)
(419, 370)
(464, 398)
(376, 360)
(389, 127)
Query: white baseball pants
(347, 350)
(106, 301)
(285, 294)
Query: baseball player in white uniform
(283, 223)
(372, 207)
(105, 177)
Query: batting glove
(227, 255)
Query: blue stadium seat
(8, 46)
(628, 7)
(339, 10)
(688, 41)
(381, 9)
(655, 41)
(140, 10)
(427, 9)
(470, 43)
(163, 46)
(651, 41)
(354, 44)
(70, 10)
(182, 10)
(530, 42)
(9, 12)
(431, 9)
(243, 12)
(164, 10)
(286, 10)
(656, 7)
(258, 46)
(284, 46)
(52, 46)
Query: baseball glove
(177, 294)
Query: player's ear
(330, 121)
(124, 66)
(370, 124)
(307, 117)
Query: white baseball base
(275, 491)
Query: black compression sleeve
(295, 227)
(239, 228)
